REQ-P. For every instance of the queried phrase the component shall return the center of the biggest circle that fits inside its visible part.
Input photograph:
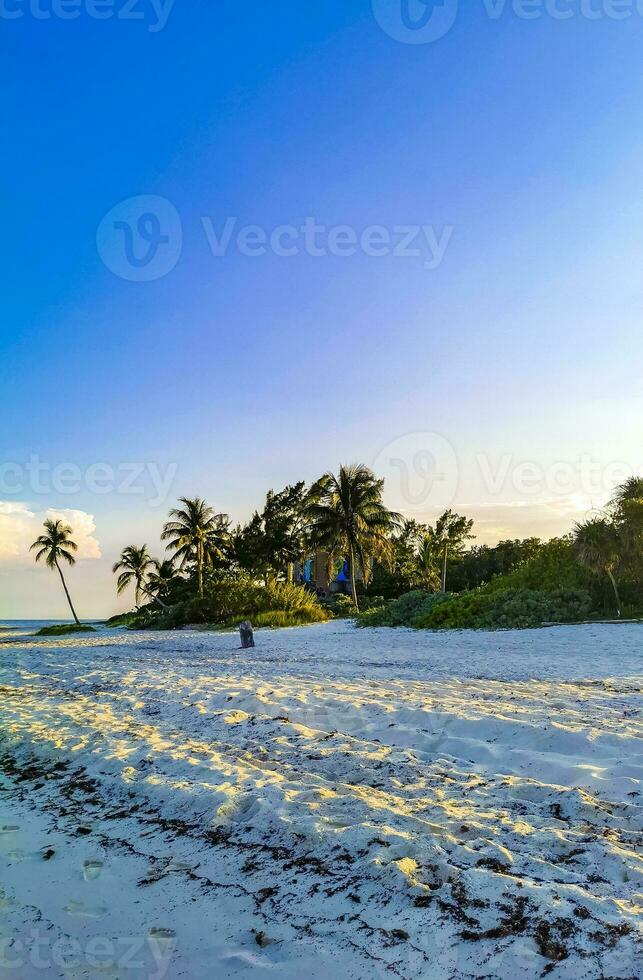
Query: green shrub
(229, 599)
(343, 606)
(64, 630)
(511, 609)
(553, 567)
(404, 610)
(123, 619)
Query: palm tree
(597, 547)
(348, 519)
(133, 566)
(196, 533)
(158, 580)
(54, 546)
(629, 492)
(426, 573)
(626, 510)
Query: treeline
(595, 571)
(214, 572)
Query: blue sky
(238, 373)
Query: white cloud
(20, 526)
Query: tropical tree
(160, 578)
(626, 509)
(426, 565)
(598, 549)
(133, 566)
(196, 534)
(449, 535)
(347, 519)
(55, 546)
(273, 540)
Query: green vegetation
(403, 611)
(230, 598)
(196, 534)
(134, 565)
(509, 609)
(348, 519)
(123, 619)
(398, 569)
(54, 546)
(65, 630)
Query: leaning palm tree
(196, 533)
(346, 518)
(133, 566)
(54, 546)
(597, 547)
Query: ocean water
(11, 628)
(21, 624)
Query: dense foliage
(508, 609)
(403, 611)
(398, 570)
(230, 598)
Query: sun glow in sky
(256, 240)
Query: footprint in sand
(159, 932)
(92, 869)
(6, 901)
(164, 939)
(87, 911)
(9, 829)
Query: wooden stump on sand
(247, 636)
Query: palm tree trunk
(71, 606)
(199, 560)
(444, 567)
(618, 598)
(351, 559)
(155, 598)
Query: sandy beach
(336, 802)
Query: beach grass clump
(64, 630)
(229, 599)
(281, 618)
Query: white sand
(335, 803)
